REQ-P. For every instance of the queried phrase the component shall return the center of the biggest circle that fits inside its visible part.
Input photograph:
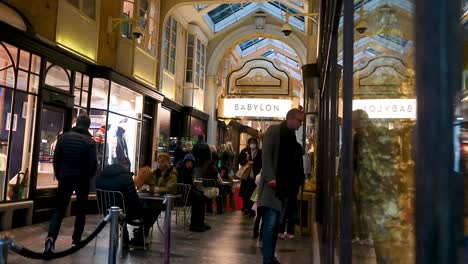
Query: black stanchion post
(114, 234)
(167, 238)
(4, 244)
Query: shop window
(52, 125)
(99, 129)
(117, 128)
(195, 64)
(88, 7)
(17, 120)
(125, 102)
(57, 77)
(164, 130)
(22, 131)
(6, 97)
(7, 72)
(123, 141)
(80, 91)
(169, 45)
(100, 93)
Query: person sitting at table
(116, 178)
(211, 172)
(161, 181)
(196, 198)
(223, 173)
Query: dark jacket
(179, 155)
(185, 175)
(75, 155)
(257, 161)
(202, 153)
(116, 178)
(290, 168)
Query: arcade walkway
(228, 242)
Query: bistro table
(167, 200)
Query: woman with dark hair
(253, 155)
(211, 172)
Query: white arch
(243, 33)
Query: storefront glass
(17, 120)
(197, 127)
(117, 128)
(58, 77)
(384, 117)
(52, 125)
(164, 130)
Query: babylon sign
(256, 107)
(387, 108)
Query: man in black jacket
(202, 154)
(116, 178)
(74, 164)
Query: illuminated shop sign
(256, 107)
(387, 108)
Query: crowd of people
(270, 176)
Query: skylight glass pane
(249, 43)
(287, 8)
(395, 39)
(299, 3)
(267, 53)
(225, 10)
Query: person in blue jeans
(282, 175)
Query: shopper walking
(74, 163)
(281, 165)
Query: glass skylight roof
(225, 15)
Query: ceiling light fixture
(260, 18)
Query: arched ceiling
(279, 52)
(214, 19)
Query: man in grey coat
(281, 176)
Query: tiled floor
(228, 242)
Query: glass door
(52, 126)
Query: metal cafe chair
(180, 203)
(105, 200)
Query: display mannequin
(99, 138)
(119, 147)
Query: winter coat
(116, 178)
(167, 183)
(202, 153)
(271, 159)
(75, 155)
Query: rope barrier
(27, 253)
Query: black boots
(49, 246)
